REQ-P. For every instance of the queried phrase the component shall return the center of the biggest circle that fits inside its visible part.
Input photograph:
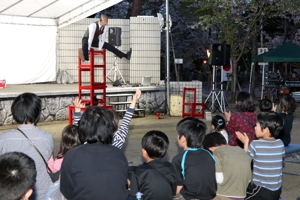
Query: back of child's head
(193, 130)
(26, 108)
(156, 144)
(218, 122)
(265, 105)
(96, 125)
(115, 118)
(17, 175)
(213, 139)
(69, 139)
(288, 104)
(244, 102)
(271, 120)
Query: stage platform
(57, 97)
(54, 89)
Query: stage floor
(49, 89)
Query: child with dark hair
(121, 133)
(195, 167)
(26, 110)
(288, 106)
(267, 154)
(96, 169)
(218, 124)
(233, 167)
(243, 120)
(17, 176)
(155, 178)
(265, 105)
(69, 139)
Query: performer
(95, 37)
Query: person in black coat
(155, 178)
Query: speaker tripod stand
(213, 96)
(116, 70)
(222, 97)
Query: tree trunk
(253, 78)
(135, 10)
(234, 80)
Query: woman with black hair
(243, 120)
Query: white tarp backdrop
(28, 53)
(28, 35)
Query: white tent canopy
(28, 35)
(50, 12)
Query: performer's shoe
(129, 54)
(80, 54)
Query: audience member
(96, 169)
(18, 174)
(218, 124)
(69, 139)
(121, 134)
(243, 120)
(267, 154)
(288, 106)
(265, 105)
(195, 167)
(233, 167)
(155, 178)
(294, 76)
(26, 110)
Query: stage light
(208, 53)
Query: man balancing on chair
(95, 37)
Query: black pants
(106, 45)
(260, 193)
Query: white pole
(168, 56)
(262, 82)
(213, 89)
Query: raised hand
(78, 105)
(243, 137)
(227, 115)
(135, 98)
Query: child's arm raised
(77, 114)
(243, 137)
(120, 136)
(274, 107)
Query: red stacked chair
(191, 106)
(92, 85)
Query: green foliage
(237, 22)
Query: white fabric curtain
(28, 53)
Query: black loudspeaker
(219, 54)
(226, 54)
(114, 36)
